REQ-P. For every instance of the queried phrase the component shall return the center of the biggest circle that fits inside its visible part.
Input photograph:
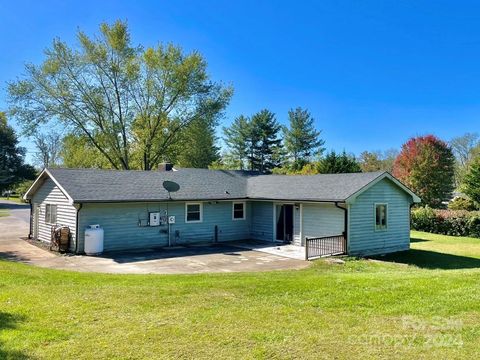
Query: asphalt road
(18, 211)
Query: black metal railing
(325, 246)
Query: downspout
(345, 231)
(77, 228)
(30, 232)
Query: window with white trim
(381, 216)
(238, 211)
(50, 214)
(193, 212)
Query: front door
(284, 218)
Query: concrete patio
(225, 257)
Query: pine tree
(198, 144)
(265, 145)
(236, 138)
(333, 163)
(471, 181)
(302, 140)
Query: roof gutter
(30, 232)
(204, 200)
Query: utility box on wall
(154, 219)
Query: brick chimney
(165, 166)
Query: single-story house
(371, 210)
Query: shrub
(462, 203)
(446, 222)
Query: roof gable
(39, 182)
(385, 175)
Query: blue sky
(372, 73)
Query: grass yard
(4, 212)
(426, 305)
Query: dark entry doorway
(284, 217)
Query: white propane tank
(94, 240)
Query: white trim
(45, 171)
(244, 210)
(34, 183)
(387, 175)
(201, 212)
(50, 213)
(375, 216)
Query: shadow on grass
(9, 321)
(431, 260)
(416, 240)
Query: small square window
(238, 211)
(193, 212)
(381, 214)
(50, 214)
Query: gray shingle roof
(324, 187)
(93, 185)
(85, 185)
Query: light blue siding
(120, 224)
(363, 238)
(122, 231)
(322, 220)
(261, 220)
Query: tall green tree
(197, 147)
(237, 137)
(130, 102)
(78, 152)
(264, 142)
(465, 148)
(471, 181)
(13, 170)
(48, 147)
(302, 140)
(377, 160)
(427, 165)
(334, 163)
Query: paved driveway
(187, 260)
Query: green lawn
(4, 212)
(425, 305)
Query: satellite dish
(171, 186)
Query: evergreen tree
(471, 181)
(302, 140)
(333, 163)
(265, 145)
(197, 147)
(237, 138)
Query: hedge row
(446, 222)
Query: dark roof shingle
(93, 185)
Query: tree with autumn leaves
(426, 164)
